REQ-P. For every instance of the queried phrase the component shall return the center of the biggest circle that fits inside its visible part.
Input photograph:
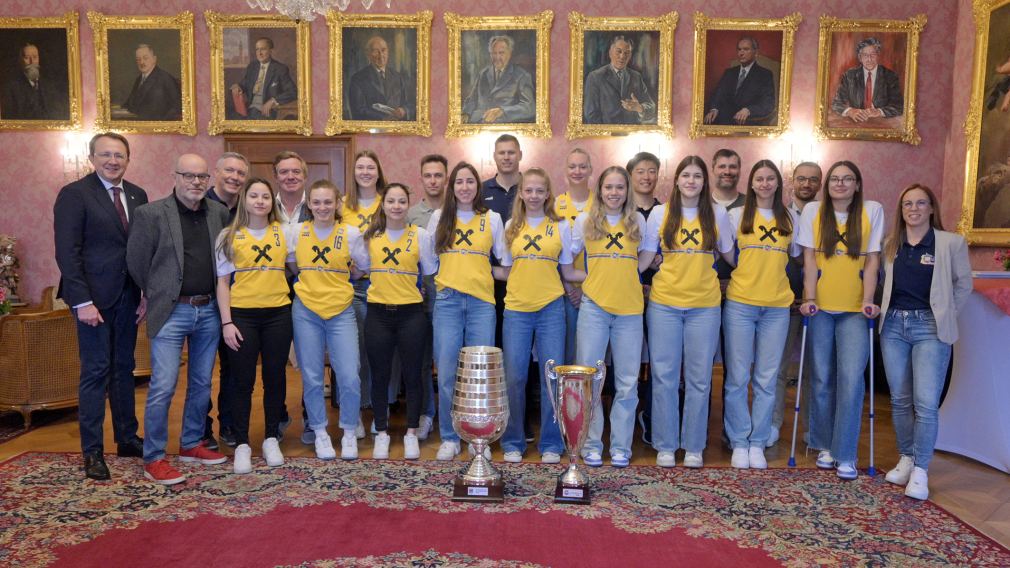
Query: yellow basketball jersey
(395, 268)
(534, 280)
(760, 276)
(259, 269)
(840, 277)
(361, 217)
(324, 277)
(466, 267)
(687, 278)
(613, 282)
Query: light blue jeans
(518, 331)
(755, 336)
(689, 336)
(314, 336)
(916, 365)
(200, 326)
(460, 320)
(571, 327)
(839, 351)
(597, 328)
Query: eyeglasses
(108, 155)
(802, 180)
(847, 180)
(189, 177)
(920, 204)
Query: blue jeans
(571, 326)
(916, 365)
(754, 335)
(360, 305)
(200, 327)
(460, 320)
(839, 351)
(548, 324)
(689, 337)
(597, 328)
(314, 336)
(427, 393)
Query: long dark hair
(447, 219)
(706, 209)
(378, 224)
(783, 220)
(854, 224)
(242, 216)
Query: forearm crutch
(799, 389)
(870, 325)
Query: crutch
(799, 389)
(870, 324)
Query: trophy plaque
(574, 391)
(480, 411)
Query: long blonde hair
(242, 217)
(519, 206)
(596, 223)
(897, 235)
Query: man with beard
(29, 96)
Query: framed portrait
(379, 66)
(40, 73)
(499, 74)
(621, 75)
(259, 74)
(985, 211)
(144, 73)
(866, 79)
(742, 75)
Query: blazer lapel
(175, 227)
(105, 203)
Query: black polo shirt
(913, 274)
(649, 272)
(197, 254)
(213, 196)
(497, 198)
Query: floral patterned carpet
(366, 513)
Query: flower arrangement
(1002, 257)
(8, 271)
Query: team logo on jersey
(391, 255)
(261, 253)
(690, 236)
(532, 242)
(321, 254)
(464, 237)
(767, 233)
(615, 240)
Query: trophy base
(493, 492)
(579, 495)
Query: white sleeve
(640, 219)
(429, 260)
(357, 248)
(736, 216)
(433, 222)
(291, 241)
(727, 236)
(578, 241)
(794, 247)
(224, 266)
(566, 256)
(498, 247)
(653, 228)
(805, 231)
(508, 248)
(875, 212)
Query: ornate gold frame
(336, 22)
(579, 24)
(100, 25)
(68, 21)
(908, 133)
(702, 24)
(216, 22)
(541, 24)
(982, 9)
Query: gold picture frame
(399, 27)
(838, 73)
(985, 207)
(540, 27)
(130, 33)
(16, 38)
(777, 117)
(233, 58)
(661, 51)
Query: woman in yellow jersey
(323, 251)
(568, 205)
(540, 242)
(755, 318)
(466, 234)
(611, 233)
(398, 253)
(252, 294)
(691, 231)
(841, 237)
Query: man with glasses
(91, 220)
(170, 255)
(868, 90)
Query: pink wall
(31, 160)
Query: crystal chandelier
(306, 10)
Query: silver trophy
(577, 392)
(480, 411)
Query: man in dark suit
(171, 257)
(868, 90)
(30, 96)
(503, 92)
(267, 83)
(91, 221)
(156, 94)
(616, 93)
(745, 93)
(376, 92)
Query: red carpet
(368, 513)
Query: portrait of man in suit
(378, 91)
(617, 93)
(869, 90)
(266, 85)
(502, 92)
(32, 91)
(156, 93)
(745, 94)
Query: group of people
(249, 265)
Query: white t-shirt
(874, 212)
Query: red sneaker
(161, 472)
(200, 453)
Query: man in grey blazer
(503, 91)
(170, 255)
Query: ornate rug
(393, 513)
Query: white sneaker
(514, 457)
(918, 484)
(757, 459)
(349, 447)
(666, 459)
(740, 459)
(901, 472)
(846, 471)
(411, 449)
(773, 437)
(272, 452)
(324, 445)
(372, 429)
(825, 460)
(447, 451)
(550, 457)
(243, 459)
(473, 451)
(381, 449)
(359, 430)
(693, 459)
(424, 427)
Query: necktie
(258, 87)
(120, 210)
(622, 78)
(868, 95)
(382, 75)
(743, 75)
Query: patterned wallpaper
(31, 160)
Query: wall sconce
(794, 149)
(75, 156)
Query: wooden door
(328, 157)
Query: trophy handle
(551, 378)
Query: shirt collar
(186, 210)
(927, 241)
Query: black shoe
(95, 468)
(646, 430)
(210, 442)
(132, 449)
(228, 438)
